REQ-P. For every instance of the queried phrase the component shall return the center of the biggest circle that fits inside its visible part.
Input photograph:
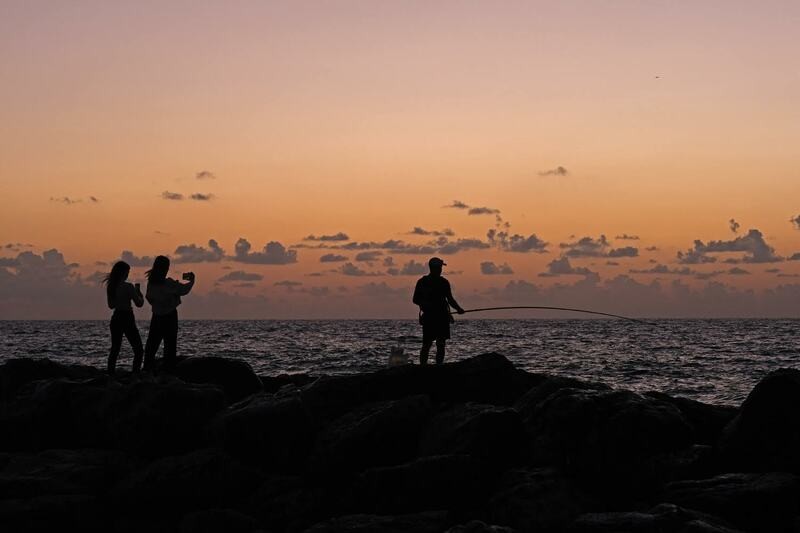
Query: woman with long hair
(164, 294)
(120, 294)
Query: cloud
(452, 247)
(665, 270)
(15, 246)
(349, 269)
(795, 221)
(328, 238)
(332, 258)
(516, 242)
(244, 285)
(205, 175)
(736, 271)
(135, 261)
(288, 284)
(202, 197)
(795, 257)
(753, 245)
(483, 211)
(626, 237)
(412, 268)
(191, 253)
(488, 268)
(734, 226)
(446, 232)
(652, 248)
(66, 200)
(772, 270)
(562, 266)
(456, 205)
(368, 257)
(586, 247)
(626, 251)
(274, 253)
(94, 199)
(240, 275)
(558, 171)
(167, 195)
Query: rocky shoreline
(472, 446)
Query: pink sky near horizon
(367, 118)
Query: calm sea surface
(715, 361)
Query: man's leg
(423, 353)
(440, 351)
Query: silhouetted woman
(164, 294)
(120, 294)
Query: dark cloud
(456, 205)
(332, 258)
(202, 197)
(368, 257)
(483, 211)
(16, 246)
(328, 238)
(274, 253)
(388, 261)
(612, 263)
(349, 269)
(489, 268)
(135, 261)
(772, 270)
(94, 199)
(734, 226)
(288, 284)
(516, 242)
(411, 268)
(562, 266)
(191, 253)
(66, 200)
(652, 248)
(586, 247)
(738, 271)
(452, 247)
(558, 171)
(167, 195)
(240, 275)
(626, 237)
(205, 175)
(753, 245)
(665, 270)
(795, 221)
(626, 251)
(446, 232)
(244, 285)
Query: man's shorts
(435, 327)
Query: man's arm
(417, 298)
(452, 301)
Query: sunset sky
(638, 157)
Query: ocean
(716, 361)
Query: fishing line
(550, 308)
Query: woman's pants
(162, 327)
(124, 323)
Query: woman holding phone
(164, 294)
(120, 294)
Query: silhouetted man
(434, 298)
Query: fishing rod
(550, 308)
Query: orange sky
(366, 118)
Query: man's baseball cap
(435, 261)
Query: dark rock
(765, 435)
(16, 373)
(707, 420)
(476, 526)
(376, 434)
(535, 500)
(494, 435)
(755, 502)
(173, 485)
(275, 433)
(546, 386)
(663, 518)
(235, 377)
(217, 520)
(273, 384)
(430, 522)
(452, 482)
(51, 512)
(290, 503)
(611, 438)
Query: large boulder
(476, 526)
(235, 377)
(494, 435)
(217, 520)
(375, 434)
(610, 438)
(707, 420)
(274, 432)
(754, 502)
(765, 435)
(16, 373)
(663, 518)
(547, 385)
(535, 500)
(428, 522)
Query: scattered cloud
(586, 247)
(240, 275)
(626, 237)
(340, 236)
(626, 251)
(665, 270)
(736, 271)
(483, 211)
(457, 204)
(489, 268)
(516, 242)
(288, 284)
(349, 269)
(412, 268)
(734, 226)
(753, 245)
(167, 195)
(134, 260)
(191, 253)
(332, 258)
(205, 175)
(368, 257)
(652, 248)
(446, 232)
(795, 221)
(558, 171)
(66, 200)
(446, 247)
(202, 197)
(795, 257)
(273, 253)
(562, 266)
(94, 199)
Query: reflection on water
(710, 360)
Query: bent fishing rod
(550, 308)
